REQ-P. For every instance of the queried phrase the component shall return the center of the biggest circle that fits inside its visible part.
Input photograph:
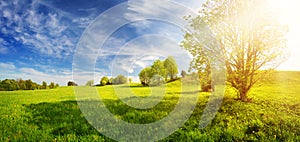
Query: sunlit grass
(53, 115)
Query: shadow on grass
(187, 92)
(135, 86)
(63, 118)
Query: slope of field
(53, 115)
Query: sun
(284, 9)
(288, 13)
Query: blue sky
(38, 39)
(62, 40)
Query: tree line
(20, 84)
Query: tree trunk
(243, 95)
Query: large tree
(248, 34)
(44, 85)
(158, 69)
(144, 76)
(154, 74)
(52, 85)
(171, 67)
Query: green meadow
(53, 115)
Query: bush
(104, 81)
(70, 83)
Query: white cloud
(3, 3)
(39, 76)
(135, 79)
(7, 66)
(6, 14)
(44, 33)
(195, 5)
(60, 76)
(161, 10)
(31, 71)
(144, 50)
(3, 50)
(155, 8)
(128, 54)
(151, 58)
(81, 76)
(82, 22)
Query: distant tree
(120, 79)
(39, 86)
(44, 85)
(158, 69)
(71, 83)
(1, 86)
(130, 80)
(171, 67)
(21, 84)
(30, 85)
(51, 85)
(110, 81)
(9, 85)
(104, 81)
(56, 85)
(34, 86)
(89, 83)
(249, 35)
(144, 76)
(183, 73)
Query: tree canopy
(52, 85)
(104, 80)
(159, 71)
(248, 35)
(171, 67)
(20, 84)
(44, 85)
(145, 75)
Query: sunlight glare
(288, 12)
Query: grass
(53, 115)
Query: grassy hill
(53, 115)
